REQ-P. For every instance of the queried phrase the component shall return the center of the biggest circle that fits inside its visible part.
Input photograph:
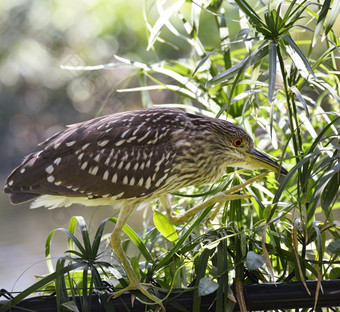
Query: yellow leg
(219, 198)
(123, 216)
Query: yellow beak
(259, 160)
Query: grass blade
(335, 10)
(137, 241)
(181, 241)
(162, 20)
(257, 55)
(200, 273)
(272, 70)
(321, 19)
(266, 254)
(298, 57)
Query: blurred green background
(38, 98)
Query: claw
(143, 289)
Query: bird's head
(241, 152)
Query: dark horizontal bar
(288, 295)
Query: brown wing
(125, 155)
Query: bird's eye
(237, 142)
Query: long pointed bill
(259, 160)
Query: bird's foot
(142, 287)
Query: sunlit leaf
(164, 226)
(256, 56)
(301, 99)
(321, 19)
(137, 241)
(162, 20)
(298, 57)
(272, 70)
(334, 14)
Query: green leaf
(335, 10)
(298, 57)
(203, 60)
(84, 233)
(60, 284)
(322, 184)
(335, 273)
(254, 261)
(71, 306)
(98, 238)
(272, 71)
(254, 18)
(200, 272)
(321, 19)
(164, 226)
(206, 286)
(183, 238)
(137, 241)
(334, 247)
(71, 239)
(162, 20)
(256, 56)
(300, 97)
(331, 191)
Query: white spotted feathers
(126, 156)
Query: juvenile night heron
(130, 158)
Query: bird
(131, 158)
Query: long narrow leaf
(98, 238)
(335, 10)
(199, 94)
(162, 20)
(322, 184)
(255, 57)
(321, 19)
(84, 233)
(298, 58)
(200, 273)
(181, 241)
(301, 99)
(266, 254)
(137, 241)
(258, 54)
(272, 70)
(59, 285)
(250, 13)
(48, 245)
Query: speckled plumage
(131, 158)
(134, 155)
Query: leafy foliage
(261, 75)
